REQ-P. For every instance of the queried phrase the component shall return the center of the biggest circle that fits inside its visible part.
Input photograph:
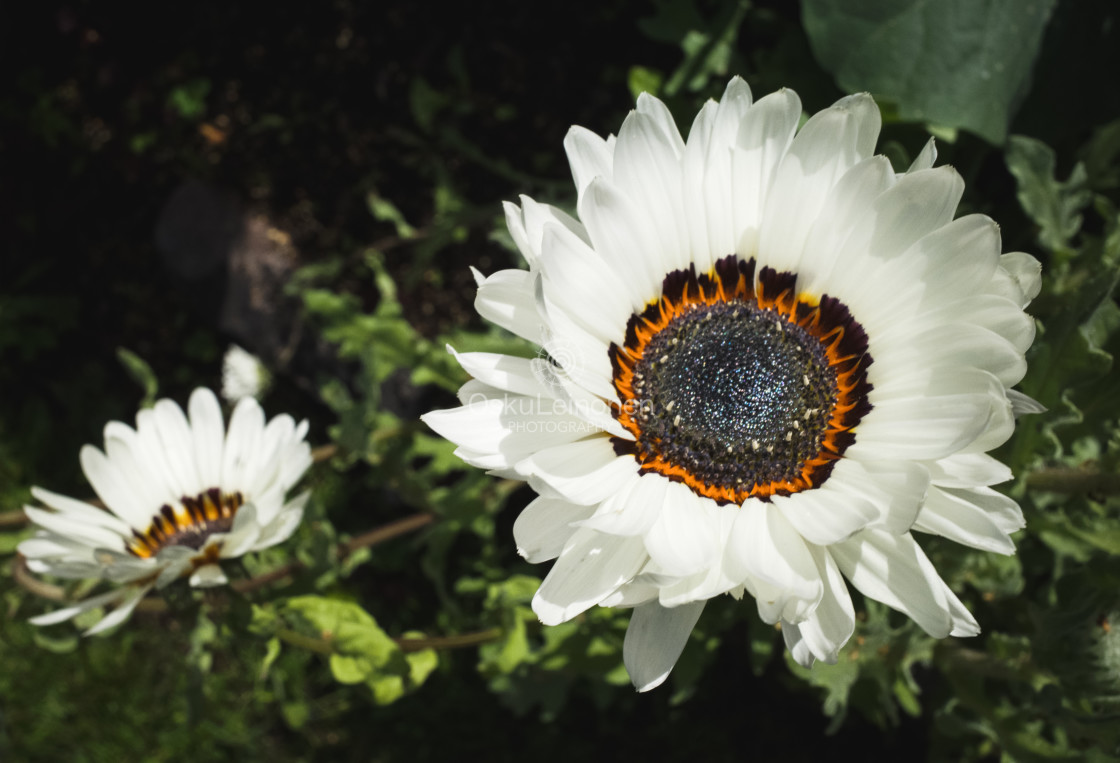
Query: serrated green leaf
(1054, 205)
(837, 681)
(961, 63)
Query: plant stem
(458, 641)
(1079, 480)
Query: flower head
(768, 360)
(243, 375)
(180, 495)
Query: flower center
(189, 524)
(737, 391)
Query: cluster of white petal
(943, 311)
(166, 457)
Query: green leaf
(708, 44)
(960, 63)
(426, 103)
(141, 373)
(644, 80)
(385, 211)
(189, 99)
(359, 646)
(421, 663)
(361, 652)
(1055, 205)
(272, 652)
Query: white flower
(772, 359)
(243, 375)
(181, 496)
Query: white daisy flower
(770, 358)
(182, 494)
(243, 375)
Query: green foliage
(708, 45)
(961, 63)
(360, 651)
(189, 98)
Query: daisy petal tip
(549, 613)
(208, 576)
(965, 629)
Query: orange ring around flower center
(197, 519)
(823, 325)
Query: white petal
(515, 427)
(831, 142)
(828, 628)
(208, 576)
(895, 488)
(686, 538)
(68, 613)
(968, 470)
(242, 536)
(121, 612)
(88, 513)
(925, 158)
(284, 524)
(506, 299)
(765, 134)
(585, 472)
(1024, 277)
(765, 547)
(246, 426)
(925, 419)
(208, 433)
(826, 515)
(662, 119)
(576, 280)
(893, 569)
(1022, 405)
(112, 487)
(177, 445)
(526, 226)
(623, 237)
(647, 170)
(981, 518)
(843, 209)
(634, 508)
(76, 528)
(655, 639)
(591, 566)
(543, 528)
(589, 157)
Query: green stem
(317, 645)
(1079, 481)
(458, 641)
